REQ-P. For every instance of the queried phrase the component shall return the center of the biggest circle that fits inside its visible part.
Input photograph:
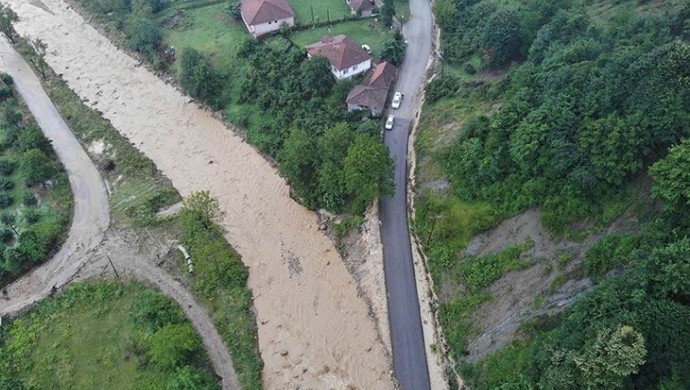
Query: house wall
(352, 71)
(265, 28)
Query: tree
(202, 207)
(672, 176)
(190, 378)
(7, 19)
(299, 162)
(36, 51)
(387, 13)
(316, 78)
(394, 49)
(502, 38)
(446, 13)
(197, 76)
(368, 171)
(615, 354)
(145, 37)
(36, 166)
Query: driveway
(409, 357)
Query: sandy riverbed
(313, 328)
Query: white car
(397, 99)
(389, 122)
(367, 48)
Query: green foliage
(502, 38)
(671, 177)
(394, 50)
(6, 200)
(36, 167)
(480, 272)
(220, 279)
(202, 208)
(317, 79)
(28, 235)
(197, 76)
(446, 13)
(89, 332)
(387, 13)
(7, 19)
(144, 37)
(367, 171)
(610, 252)
(441, 87)
(172, 345)
(153, 310)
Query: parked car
(366, 48)
(397, 99)
(389, 122)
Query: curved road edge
(91, 215)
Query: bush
(6, 184)
(29, 199)
(6, 235)
(5, 200)
(469, 68)
(145, 37)
(32, 215)
(197, 76)
(440, 87)
(7, 167)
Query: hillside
(567, 109)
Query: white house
(265, 16)
(346, 58)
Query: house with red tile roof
(347, 58)
(372, 93)
(265, 16)
(364, 7)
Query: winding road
(407, 338)
(91, 213)
(89, 225)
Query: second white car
(389, 122)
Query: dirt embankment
(549, 286)
(314, 330)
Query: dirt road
(91, 219)
(314, 330)
(91, 213)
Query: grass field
(89, 338)
(365, 31)
(209, 30)
(337, 9)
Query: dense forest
(597, 95)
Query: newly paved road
(409, 357)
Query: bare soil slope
(313, 328)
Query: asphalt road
(409, 357)
(91, 213)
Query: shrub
(469, 68)
(5, 200)
(6, 235)
(7, 167)
(145, 37)
(6, 184)
(29, 199)
(440, 87)
(32, 215)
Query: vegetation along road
(91, 220)
(91, 215)
(409, 358)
